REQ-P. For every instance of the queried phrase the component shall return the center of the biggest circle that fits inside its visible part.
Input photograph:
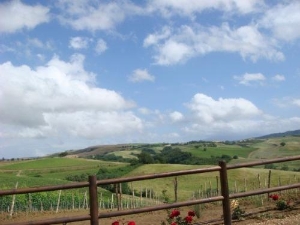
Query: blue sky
(86, 72)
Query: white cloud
(95, 124)
(5, 48)
(36, 43)
(278, 77)
(60, 97)
(186, 42)
(237, 130)
(40, 57)
(283, 20)
(286, 102)
(140, 75)
(251, 78)
(207, 110)
(27, 16)
(296, 102)
(153, 39)
(176, 116)
(93, 16)
(79, 42)
(144, 111)
(101, 46)
(170, 7)
(230, 118)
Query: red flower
(131, 223)
(115, 223)
(191, 213)
(174, 223)
(188, 219)
(174, 213)
(274, 197)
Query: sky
(75, 74)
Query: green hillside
(188, 185)
(49, 171)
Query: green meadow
(48, 171)
(238, 180)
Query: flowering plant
(280, 203)
(174, 218)
(118, 223)
(237, 212)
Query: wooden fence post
(269, 184)
(175, 188)
(93, 199)
(217, 181)
(117, 196)
(225, 193)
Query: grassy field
(46, 163)
(129, 154)
(238, 179)
(221, 149)
(272, 148)
(48, 171)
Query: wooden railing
(93, 183)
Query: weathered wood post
(217, 181)
(93, 199)
(269, 184)
(225, 193)
(175, 188)
(117, 196)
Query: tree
(270, 166)
(145, 158)
(63, 154)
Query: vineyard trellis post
(58, 201)
(13, 202)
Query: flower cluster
(234, 204)
(237, 212)
(280, 203)
(275, 197)
(118, 223)
(176, 219)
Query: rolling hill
(283, 134)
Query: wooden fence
(93, 183)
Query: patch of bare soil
(209, 215)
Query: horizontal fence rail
(93, 183)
